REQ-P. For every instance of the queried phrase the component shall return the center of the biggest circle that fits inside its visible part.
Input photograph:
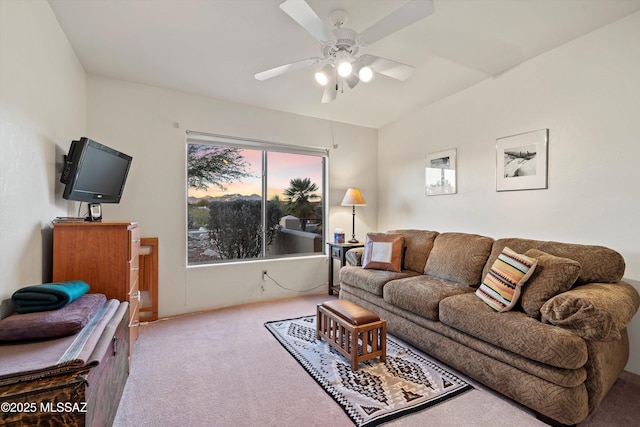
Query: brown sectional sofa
(557, 352)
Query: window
(251, 200)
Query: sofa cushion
(383, 251)
(597, 311)
(552, 276)
(500, 289)
(418, 244)
(599, 264)
(514, 331)
(459, 257)
(422, 294)
(370, 280)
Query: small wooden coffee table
(357, 333)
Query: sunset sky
(282, 168)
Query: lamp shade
(353, 197)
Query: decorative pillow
(417, 246)
(459, 257)
(595, 311)
(552, 276)
(501, 287)
(383, 251)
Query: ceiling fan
(340, 45)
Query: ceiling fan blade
(387, 67)
(404, 16)
(302, 13)
(330, 91)
(283, 69)
(352, 80)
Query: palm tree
(298, 198)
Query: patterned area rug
(377, 392)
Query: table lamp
(353, 198)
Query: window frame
(203, 138)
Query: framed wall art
(521, 161)
(440, 173)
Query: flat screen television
(94, 173)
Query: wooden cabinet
(105, 255)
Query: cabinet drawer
(134, 311)
(134, 322)
(134, 293)
(134, 247)
(133, 274)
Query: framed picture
(521, 161)
(440, 173)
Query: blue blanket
(50, 296)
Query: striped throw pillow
(500, 289)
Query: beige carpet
(223, 368)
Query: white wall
(587, 93)
(141, 121)
(42, 108)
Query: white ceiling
(214, 47)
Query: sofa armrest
(354, 257)
(596, 311)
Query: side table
(338, 251)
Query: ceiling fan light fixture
(345, 68)
(365, 74)
(322, 75)
(343, 63)
(321, 78)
